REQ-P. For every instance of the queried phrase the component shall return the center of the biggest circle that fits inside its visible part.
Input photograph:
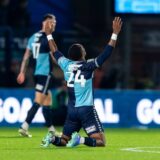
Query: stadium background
(127, 86)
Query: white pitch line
(140, 149)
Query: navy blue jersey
(38, 45)
(79, 75)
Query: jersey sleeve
(90, 65)
(61, 59)
(29, 44)
(104, 55)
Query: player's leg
(64, 139)
(45, 99)
(94, 140)
(92, 127)
(60, 141)
(39, 97)
(55, 140)
(99, 137)
(96, 135)
(47, 112)
(38, 101)
(72, 124)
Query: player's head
(77, 52)
(51, 18)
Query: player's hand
(117, 25)
(48, 27)
(21, 78)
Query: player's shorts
(86, 117)
(42, 83)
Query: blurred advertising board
(124, 108)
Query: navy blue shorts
(82, 117)
(42, 83)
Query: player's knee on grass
(65, 139)
(100, 139)
(60, 141)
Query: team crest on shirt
(73, 67)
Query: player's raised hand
(117, 25)
(20, 78)
(49, 27)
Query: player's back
(39, 48)
(79, 82)
(79, 74)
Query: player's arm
(59, 57)
(24, 64)
(48, 31)
(55, 53)
(116, 26)
(97, 62)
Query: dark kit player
(78, 74)
(39, 49)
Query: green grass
(13, 147)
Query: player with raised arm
(39, 49)
(79, 74)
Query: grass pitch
(123, 144)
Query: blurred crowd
(14, 13)
(110, 76)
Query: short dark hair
(48, 15)
(75, 52)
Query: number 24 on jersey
(77, 78)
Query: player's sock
(90, 141)
(82, 140)
(51, 129)
(25, 125)
(47, 113)
(32, 112)
(56, 141)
